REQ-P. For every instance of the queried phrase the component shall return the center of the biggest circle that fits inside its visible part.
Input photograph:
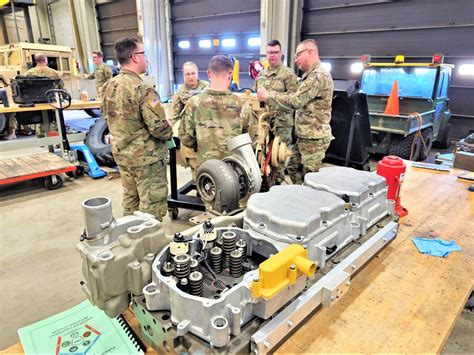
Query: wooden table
(403, 301)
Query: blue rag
(435, 247)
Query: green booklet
(83, 329)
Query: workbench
(402, 301)
(15, 144)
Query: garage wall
(215, 20)
(347, 29)
(117, 19)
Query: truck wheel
(428, 139)
(444, 138)
(401, 147)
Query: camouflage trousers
(145, 189)
(307, 157)
(284, 133)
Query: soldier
(139, 129)
(279, 78)
(42, 69)
(214, 116)
(312, 103)
(192, 85)
(102, 72)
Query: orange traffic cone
(393, 107)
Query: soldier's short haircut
(98, 53)
(124, 49)
(310, 42)
(273, 43)
(40, 58)
(220, 63)
(190, 64)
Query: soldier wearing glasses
(281, 79)
(312, 102)
(139, 129)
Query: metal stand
(179, 198)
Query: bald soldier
(213, 117)
(139, 129)
(279, 78)
(192, 86)
(102, 72)
(312, 103)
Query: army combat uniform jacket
(136, 120)
(182, 96)
(282, 80)
(43, 70)
(210, 120)
(312, 102)
(101, 74)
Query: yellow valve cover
(282, 270)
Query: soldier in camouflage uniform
(312, 103)
(102, 72)
(212, 118)
(139, 131)
(192, 86)
(279, 78)
(42, 69)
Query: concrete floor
(40, 268)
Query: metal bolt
(290, 323)
(333, 298)
(353, 266)
(136, 264)
(266, 344)
(385, 240)
(256, 279)
(292, 267)
(348, 283)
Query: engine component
(242, 246)
(196, 280)
(194, 265)
(209, 234)
(182, 265)
(393, 168)
(116, 254)
(168, 269)
(221, 184)
(235, 263)
(229, 239)
(216, 259)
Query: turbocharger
(222, 184)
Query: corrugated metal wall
(195, 20)
(345, 30)
(117, 19)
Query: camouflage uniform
(43, 70)
(282, 79)
(209, 120)
(139, 130)
(182, 96)
(312, 103)
(101, 74)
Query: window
(228, 42)
(254, 42)
(184, 44)
(205, 43)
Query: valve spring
(236, 260)
(228, 244)
(242, 246)
(196, 283)
(194, 266)
(215, 255)
(167, 269)
(182, 265)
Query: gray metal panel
(345, 30)
(193, 20)
(117, 19)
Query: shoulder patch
(154, 102)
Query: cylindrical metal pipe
(97, 214)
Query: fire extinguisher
(393, 169)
